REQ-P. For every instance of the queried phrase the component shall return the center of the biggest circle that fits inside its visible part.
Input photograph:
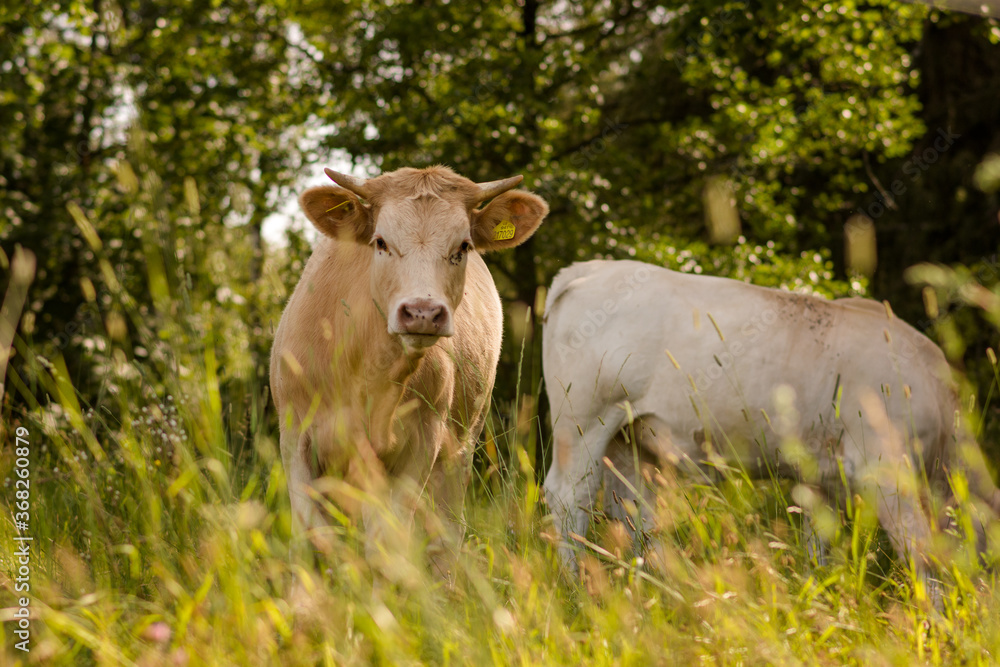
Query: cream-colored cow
(385, 357)
(697, 359)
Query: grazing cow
(707, 367)
(385, 357)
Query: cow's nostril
(423, 316)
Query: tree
(630, 118)
(172, 130)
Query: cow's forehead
(424, 218)
(425, 206)
(431, 183)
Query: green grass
(162, 536)
(153, 547)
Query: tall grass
(162, 536)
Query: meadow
(161, 535)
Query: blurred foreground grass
(161, 530)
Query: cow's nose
(423, 316)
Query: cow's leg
(572, 481)
(909, 530)
(893, 484)
(295, 448)
(305, 516)
(636, 513)
(810, 499)
(446, 522)
(881, 461)
(816, 546)
(388, 516)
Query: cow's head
(421, 226)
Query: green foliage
(189, 115)
(618, 113)
(802, 98)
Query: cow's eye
(380, 245)
(462, 251)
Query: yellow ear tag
(346, 202)
(504, 231)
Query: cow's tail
(563, 280)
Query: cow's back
(614, 331)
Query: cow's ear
(337, 213)
(508, 221)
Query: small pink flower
(157, 632)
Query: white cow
(385, 357)
(698, 359)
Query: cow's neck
(391, 361)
